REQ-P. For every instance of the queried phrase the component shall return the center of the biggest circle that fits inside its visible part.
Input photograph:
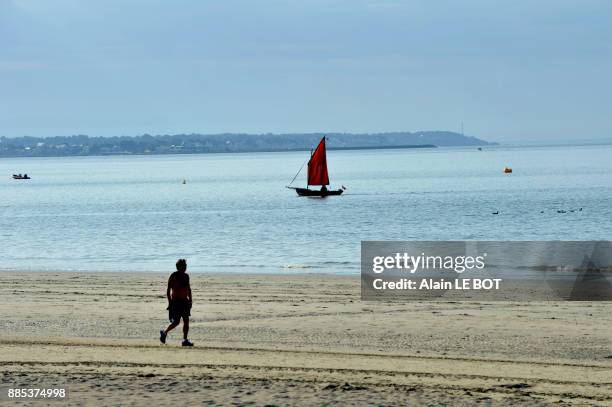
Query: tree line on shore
(222, 143)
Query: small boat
(317, 175)
(19, 176)
(507, 170)
(320, 193)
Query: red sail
(317, 166)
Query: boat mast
(308, 175)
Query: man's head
(181, 265)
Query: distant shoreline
(83, 145)
(380, 147)
(297, 149)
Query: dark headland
(80, 145)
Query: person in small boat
(324, 189)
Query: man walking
(179, 302)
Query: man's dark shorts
(179, 309)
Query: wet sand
(295, 339)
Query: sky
(511, 71)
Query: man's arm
(189, 288)
(169, 288)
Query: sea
(233, 212)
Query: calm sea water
(234, 214)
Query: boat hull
(318, 193)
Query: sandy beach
(294, 339)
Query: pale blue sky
(511, 70)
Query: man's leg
(185, 327)
(173, 325)
(164, 334)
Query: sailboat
(317, 175)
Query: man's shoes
(162, 336)
(187, 343)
